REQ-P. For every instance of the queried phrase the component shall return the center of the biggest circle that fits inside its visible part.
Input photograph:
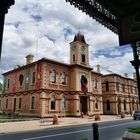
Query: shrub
(134, 130)
(84, 138)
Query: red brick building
(47, 87)
(120, 94)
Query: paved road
(107, 131)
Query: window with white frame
(32, 102)
(123, 87)
(19, 103)
(63, 78)
(6, 103)
(96, 103)
(108, 105)
(8, 84)
(63, 104)
(95, 84)
(53, 76)
(124, 102)
(33, 77)
(117, 86)
(107, 85)
(53, 103)
(21, 78)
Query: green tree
(0, 87)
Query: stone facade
(120, 94)
(47, 87)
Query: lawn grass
(134, 130)
(7, 117)
(4, 117)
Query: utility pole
(4, 6)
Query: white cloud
(48, 27)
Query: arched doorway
(83, 104)
(119, 106)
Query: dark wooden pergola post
(136, 64)
(4, 6)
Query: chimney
(98, 68)
(29, 59)
(126, 75)
(134, 76)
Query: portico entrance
(83, 104)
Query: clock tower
(79, 51)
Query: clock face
(83, 48)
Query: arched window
(124, 105)
(21, 78)
(107, 86)
(53, 76)
(19, 103)
(6, 103)
(33, 77)
(52, 103)
(8, 85)
(131, 89)
(123, 87)
(63, 104)
(73, 57)
(33, 102)
(96, 103)
(84, 83)
(108, 104)
(63, 78)
(95, 84)
(117, 86)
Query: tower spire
(79, 37)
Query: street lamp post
(136, 63)
(4, 6)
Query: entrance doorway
(83, 104)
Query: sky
(45, 28)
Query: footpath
(31, 125)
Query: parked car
(136, 115)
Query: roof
(115, 74)
(45, 60)
(79, 37)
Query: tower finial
(79, 37)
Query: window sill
(52, 111)
(63, 85)
(32, 84)
(32, 109)
(53, 83)
(83, 63)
